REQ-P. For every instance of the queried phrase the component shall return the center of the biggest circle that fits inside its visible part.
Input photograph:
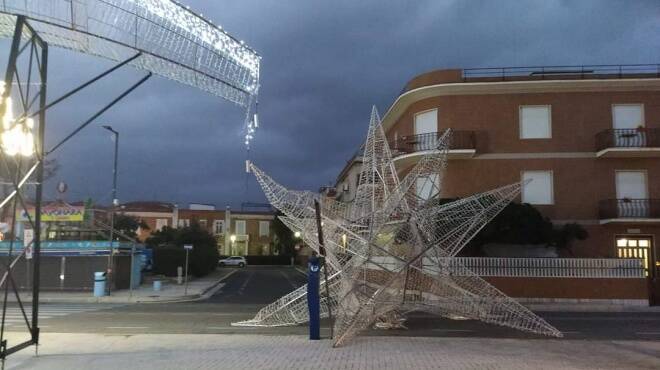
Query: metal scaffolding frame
(36, 51)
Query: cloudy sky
(324, 64)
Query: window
(184, 222)
(264, 228)
(160, 223)
(202, 223)
(627, 116)
(219, 226)
(426, 130)
(426, 122)
(240, 227)
(539, 189)
(426, 186)
(631, 185)
(535, 122)
(632, 192)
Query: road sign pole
(188, 248)
(185, 290)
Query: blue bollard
(313, 301)
(99, 284)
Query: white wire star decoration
(390, 250)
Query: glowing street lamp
(297, 234)
(233, 239)
(16, 137)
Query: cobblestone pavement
(95, 351)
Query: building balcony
(628, 143)
(629, 210)
(408, 148)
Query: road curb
(155, 299)
(205, 294)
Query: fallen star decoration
(391, 249)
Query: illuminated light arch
(174, 42)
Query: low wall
(78, 272)
(579, 288)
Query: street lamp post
(115, 203)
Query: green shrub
(168, 243)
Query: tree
(523, 224)
(128, 225)
(283, 240)
(169, 254)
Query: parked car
(233, 261)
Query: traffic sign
(28, 237)
(188, 247)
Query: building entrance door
(642, 247)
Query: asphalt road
(249, 289)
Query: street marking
(293, 285)
(453, 330)
(245, 283)
(127, 327)
(648, 333)
(570, 332)
(230, 327)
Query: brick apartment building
(588, 137)
(237, 232)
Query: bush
(524, 224)
(168, 250)
(167, 258)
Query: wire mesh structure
(173, 41)
(391, 250)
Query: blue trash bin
(99, 284)
(157, 285)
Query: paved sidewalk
(95, 351)
(197, 289)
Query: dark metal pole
(115, 202)
(36, 255)
(319, 227)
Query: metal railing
(628, 138)
(629, 208)
(554, 267)
(563, 72)
(528, 267)
(422, 142)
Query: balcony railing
(629, 208)
(418, 143)
(628, 138)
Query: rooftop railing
(628, 138)
(629, 208)
(563, 72)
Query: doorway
(642, 247)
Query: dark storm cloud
(324, 65)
